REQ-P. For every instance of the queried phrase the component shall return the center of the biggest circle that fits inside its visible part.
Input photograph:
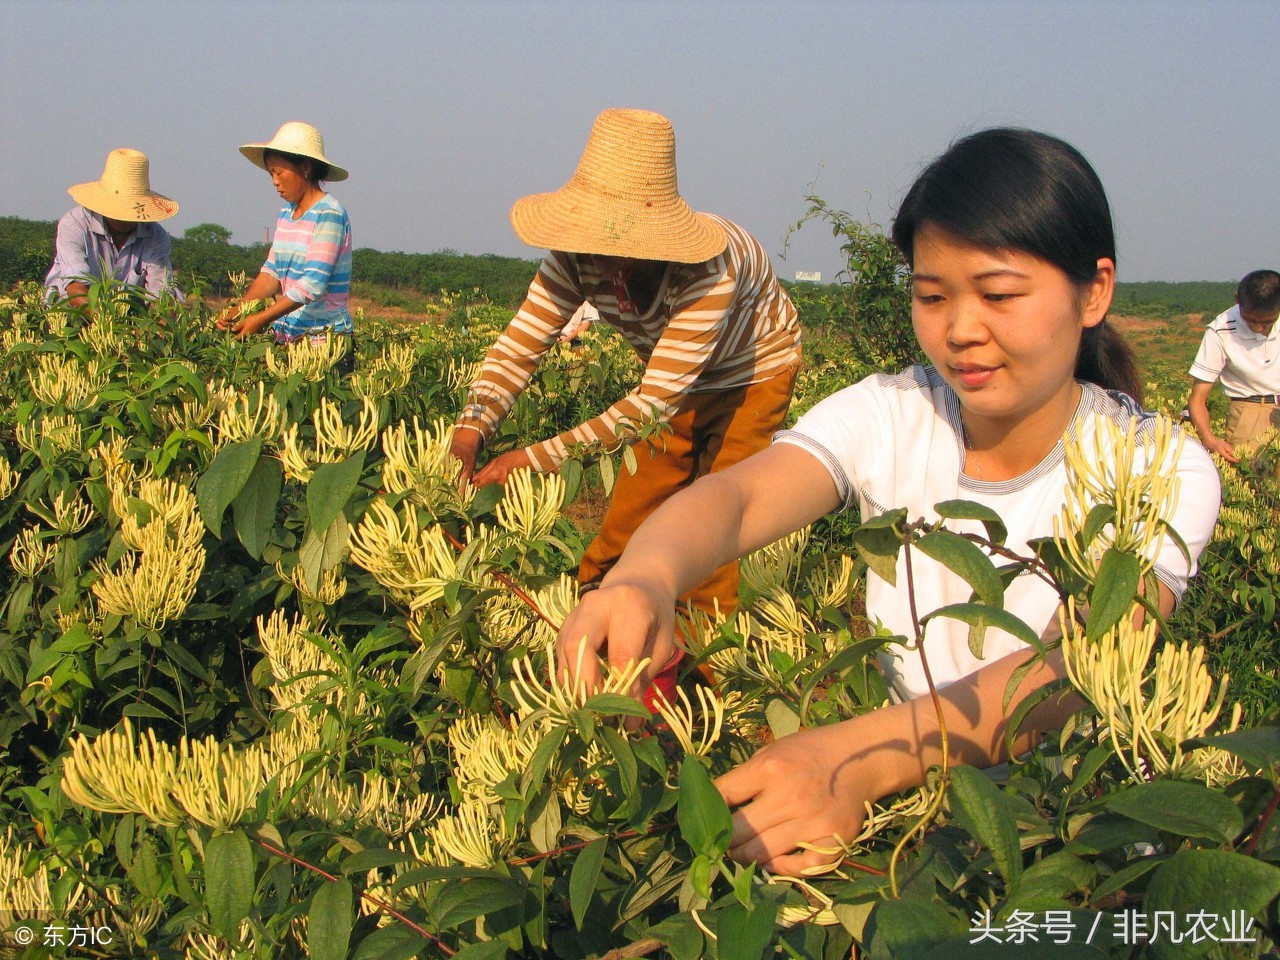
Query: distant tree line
(204, 255)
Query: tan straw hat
(622, 200)
(124, 192)
(298, 138)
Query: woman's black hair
(319, 169)
(1021, 190)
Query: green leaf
(965, 559)
(1259, 747)
(468, 899)
(396, 942)
(485, 950)
(320, 553)
(330, 921)
(982, 810)
(485, 500)
(703, 816)
(544, 832)
(607, 474)
(1218, 882)
(224, 479)
(1102, 515)
(1128, 874)
(254, 508)
(540, 762)
(979, 617)
(571, 474)
(611, 704)
(783, 720)
(907, 927)
(584, 876)
(878, 543)
(330, 487)
(968, 510)
(1114, 591)
(680, 935)
(1179, 807)
(744, 934)
(228, 881)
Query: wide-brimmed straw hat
(124, 191)
(622, 200)
(298, 138)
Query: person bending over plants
(114, 233)
(307, 276)
(693, 293)
(1011, 246)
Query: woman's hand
(625, 621)
(247, 326)
(500, 468)
(810, 787)
(228, 317)
(466, 446)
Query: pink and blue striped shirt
(311, 257)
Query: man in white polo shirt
(1241, 349)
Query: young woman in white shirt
(1011, 246)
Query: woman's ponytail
(1107, 360)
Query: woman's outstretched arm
(718, 518)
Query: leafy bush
(278, 687)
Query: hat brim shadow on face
(256, 154)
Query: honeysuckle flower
(26, 894)
(65, 381)
(418, 462)
(217, 784)
(102, 337)
(831, 587)
(472, 835)
(387, 374)
(254, 413)
(530, 504)
(62, 431)
(680, 719)
(486, 751)
(413, 562)
(331, 589)
(118, 772)
(1130, 473)
(153, 586)
(68, 515)
(555, 601)
(209, 946)
(553, 702)
(312, 357)
(1149, 708)
(335, 440)
(773, 568)
(30, 554)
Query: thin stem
(380, 904)
(936, 803)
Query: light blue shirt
(84, 251)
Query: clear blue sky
(446, 112)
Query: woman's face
(289, 178)
(1002, 327)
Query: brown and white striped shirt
(716, 325)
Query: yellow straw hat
(622, 200)
(124, 191)
(298, 138)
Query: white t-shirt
(1246, 363)
(894, 441)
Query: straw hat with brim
(124, 192)
(622, 200)
(298, 138)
